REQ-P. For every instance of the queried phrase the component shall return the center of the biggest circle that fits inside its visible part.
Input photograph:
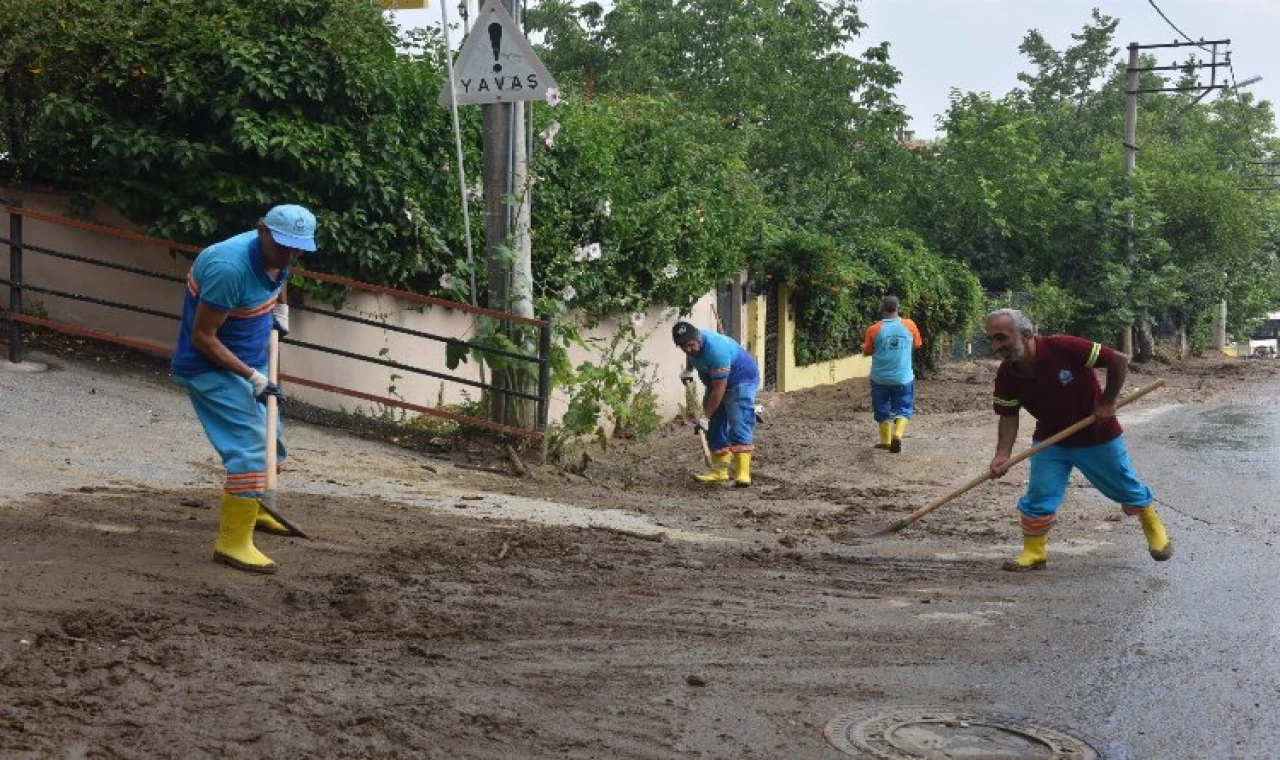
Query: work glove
(687, 377)
(263, 387)
(701, 425)
(280, 318)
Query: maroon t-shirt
(1063, 391)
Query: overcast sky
(972, 45)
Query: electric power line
(1175, 27)
(1230, 68)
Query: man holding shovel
(234, 299)
(1053, 378)
(728, 419)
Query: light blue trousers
(236, 424)
(1105, 465)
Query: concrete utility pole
(1131, 91)
(497, 69)
(507, 205)
(1130, 162)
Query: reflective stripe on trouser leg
(733, 426)
(1046, 485)
(235, 424)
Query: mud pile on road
(406, 632)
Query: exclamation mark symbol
(495, 41)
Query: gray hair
(890, 303)
(1021, 322)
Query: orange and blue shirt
(889, 343)
(229, 277)
(722, 358)
(1062, 390)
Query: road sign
(496, 63)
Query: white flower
(607, 210)
(553, 96)
(475, 193)
(637, 319)
(548, 135)
(671, 270)
(568, 293)
(587, 253)
(446, 281)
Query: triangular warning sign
(496, 63)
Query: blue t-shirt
(893, 340)
(721, 358)
(229, 277)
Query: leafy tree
(837, 288)
(193, 116)
(664, 193)
(779, 66)
(1029, 189)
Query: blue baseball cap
(292, 226)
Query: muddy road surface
(613, 609)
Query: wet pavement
(1179, 659)
(1208, 681)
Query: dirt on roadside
(405, 632)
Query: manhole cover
(910, 733)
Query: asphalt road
(1154, 660)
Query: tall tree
(779, 66)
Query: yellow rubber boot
(1034, 554)
(265, 523)
(899, 427)
(886, 434)
(1158, 541)
(719, 472)
(234, 547)
(742, 463)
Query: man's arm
(1117, 371)
(204, 336)
(715, 394)
(916, 340)
(869, 339)
(1006, 435)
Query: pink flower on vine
(553, 96)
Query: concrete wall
(666, 360)
(794, 378)
(98, 282)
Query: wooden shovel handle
(273, 376)
(706, 450)
(1032, 451)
